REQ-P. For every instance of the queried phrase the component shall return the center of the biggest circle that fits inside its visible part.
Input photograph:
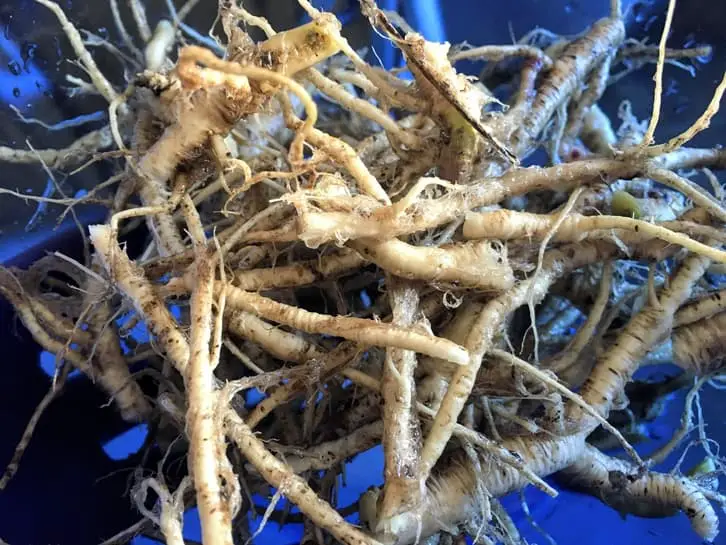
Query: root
(472, 265)
(142, 24)
(343, 154)
(387, 222)
(366, 332)
(130, 279)
(506, 225)
(494, 53)
(295, 488)
(74, 37)
(333, 362)
(643, 331)
(584, 335)
(401, 433)
(12, 468)
(658, 78)
(330, 454)
(299, 274)
(113, 373)
(652, 495)
(568, 394)
(478, 343)
(701, 124)
(700, 308)
(699, 348)
(171, 508)
(451, 493)
(495, 449)
(201, 396)
(685, 427)
(13, 292)
(698, 196)
(121, 28)
(350, 102)
(77, 153)
(575, 62)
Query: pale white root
(685, 158)
(700, 308)
(295, 488)
(121, 28)
(392, 89)
(193, 129)
(236, 76)
(129, 278)
(699, 125)
(391, 221)
(509, 224)
(352, 103)
(142, 23)
(205, 113)
(457, 330)
(159, 46)
(99, 80)
(75, 154)
(451, 492)
(595, 86)
(202, 397)
(171, 508)
(278, 342)
(496, 449)
(40, 334)
(568, 71)
(552, 382)
(299, 274)
(646, 329)
(658, 78)
(700, 347)
(620, 485)
(321, 366)
(430, 395)
(157, 166)
(689, 189)
(686, 425)
(479, 341)
(471, 265)
(403, 484)
(366, 332)
(340, 152)
(113, 371)
(242, 356)
(495, 53)
(399, 98)
(331, 453)
(597, 132)
(584, 335)
(454, 101)
(109, 368)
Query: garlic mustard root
(655, 495)
(329, 257)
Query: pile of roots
(364, 248)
